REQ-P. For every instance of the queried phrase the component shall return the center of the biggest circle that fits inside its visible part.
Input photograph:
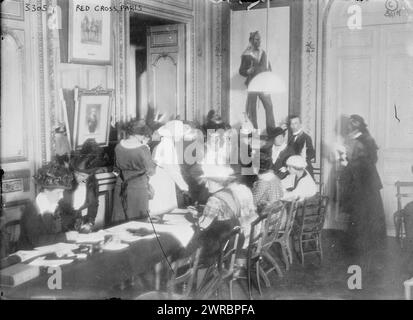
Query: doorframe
(333, 222)
(178, 17)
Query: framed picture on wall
(90, 35)
(92, 116)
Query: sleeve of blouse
(258, 192)
(148, 163)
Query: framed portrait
(92, 116)
(90, 35)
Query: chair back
(403, 222)
(10, 233)
(291, 211)
(229, 250)
(265, 229)
(312, 213)
(403, 194)
(183, 272)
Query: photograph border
(79, 93)
(71, 55)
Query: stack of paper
(18, 274)
(41, 262)
(25, 255)
(56, 248)
(94, 237)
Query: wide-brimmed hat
(89, 158)
(52, 175)
(218, 173)
(297, 162)
(275, 132)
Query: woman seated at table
(299, 184)
(133, 165)
(267, 189)
(44, 222)
(230, 204)
(83, 198)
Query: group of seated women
(153, 178)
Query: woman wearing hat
(230, 204)
(44, 222)
(83, 197)
(267, 189)
(133, 165)
(361, 186)
(298, 184)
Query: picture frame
(92, 116)
(66, 118)
(90, 32)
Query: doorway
(369, 71)
(157, 66)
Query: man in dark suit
(301, 143)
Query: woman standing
(167, 155)
(361, 197)
(133, 165)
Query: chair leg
(285, 255)
(320, 247)
(301, 251)
(274, 264)
(265, 277)
(290, 254)
(257, 274)
(249, 277)
(230, 284)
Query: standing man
(301, 143)
(253, 62)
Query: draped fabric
(168, 172)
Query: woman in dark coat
(361, 190)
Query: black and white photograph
(217, 152)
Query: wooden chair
(309, 224)
(180, 285)
(223, 270)
(399, 216)
(10, 233)
(284, 234)
(264, 232)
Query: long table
(97, 277)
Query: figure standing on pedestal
(253, 62)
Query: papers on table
(178, 211)
(182, 232)
(94, 237)
(57, 247)
(25, 255)
(41, 262)
(174, 219)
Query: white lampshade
(267, 82)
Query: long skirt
(137, 200)
(164, 199)
(367, 228)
